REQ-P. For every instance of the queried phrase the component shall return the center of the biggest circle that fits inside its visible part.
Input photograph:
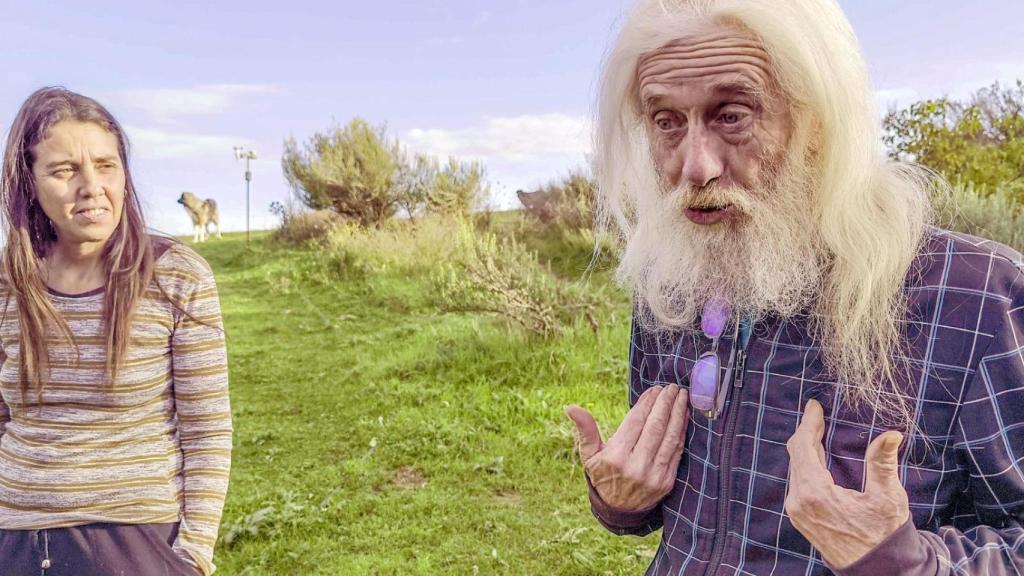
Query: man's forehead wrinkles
(744, 78)
(706, 60)
(725, 41)
(702, 66)
(684, 50)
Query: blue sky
(510, 83)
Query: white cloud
(151, 143)
(520, 152)
(165, 103)
(517, 139)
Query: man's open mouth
(709, 214)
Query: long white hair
(871, 214)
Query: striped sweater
(155, 447)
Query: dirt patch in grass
(508, 496)
(409, 477)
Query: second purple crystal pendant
(705, 376)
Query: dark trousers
(93, 550)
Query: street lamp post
(248, 155)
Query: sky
(509, 83)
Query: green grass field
(375, 434)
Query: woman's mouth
(92, 214)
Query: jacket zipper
(725, 467)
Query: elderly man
(820, 381)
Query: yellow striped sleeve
(5, 412)
(200, 383)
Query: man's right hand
(637, 467)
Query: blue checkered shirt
(962, 470)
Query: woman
(115, 429)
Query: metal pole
(248, 178)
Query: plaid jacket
(963, 472)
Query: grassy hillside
(376, 434)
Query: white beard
(768, 260)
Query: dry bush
(303, 227)
(505, 279)
(567, 202)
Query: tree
(349, 169)
(458, 188)
(980, 141)
(413, 182)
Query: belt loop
(46, 553)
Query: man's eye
(731, 118)
(665, 122)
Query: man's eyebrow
(739, 87)
(648, 100)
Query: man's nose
(702, 162)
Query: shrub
(400, 247)
(980, 140)
(458, 188)
(350, 170)
(505, 279)
(991, 213)
(302, 227)
(567, 202)
(413, 181)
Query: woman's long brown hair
(128, 256)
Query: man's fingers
(806, 452)
(656, 425)
(586, 430)
(882, 462)
(633, 424)
(671, 449)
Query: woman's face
(80, 182)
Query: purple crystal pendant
(714, 317)
(704, 382)
(706, 375)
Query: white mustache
(689, 196)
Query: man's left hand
(842, 524)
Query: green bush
(567, 202)
(992, 213)
(400, 247)
(505, 279)
(458, 188)
(980, 140)
(349, 170)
